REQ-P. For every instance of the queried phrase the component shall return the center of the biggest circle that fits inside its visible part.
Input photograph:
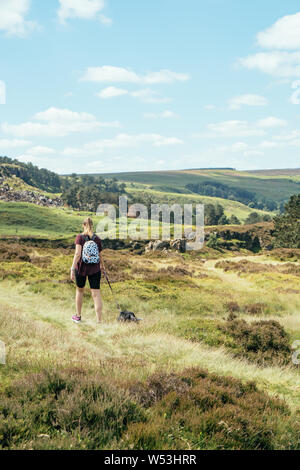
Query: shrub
(255, 309)
(81, 411)
(213, 241)
(248, 267)
(233, 307)
(198, 410)
(263, 342)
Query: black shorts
(94, 280)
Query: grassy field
(209, 366)
(29, 220)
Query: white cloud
(106, 20)
(270, 122)
(40, 150)
(283, 40)
(295, 97)
(279, 64)
(164, 76)
(232, 129)
(29, 158)
(229, 129)
(283, 140)
(112, 92)
(111, 74)
(209, 107)
(146, 94)
(149, 96)
(284, 34)
(247, 100)
(253, 153)
(84, 9)
(290, 135)
(56, 123)
(13, 17)
(267, 144)
(240, 148)
(63, 115)
(121, 141)
(9, 144)
(163, 115)
(237, 147)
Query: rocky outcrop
(252, 237)
(165, 245)
(9, 194)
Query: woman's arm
(76, 259)
(102, 262)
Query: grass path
(138, 350)
(230, 278)
(290, 320)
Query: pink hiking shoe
(76, 319)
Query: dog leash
(112, 292)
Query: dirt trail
(230, 277)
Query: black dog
(128, 316)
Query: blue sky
(115, 85)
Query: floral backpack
(90, 251)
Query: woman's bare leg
(79, 300)
(98, 303)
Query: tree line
(215, 189)
(31, 174)
(87, 192)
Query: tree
(287, 226)
(253, 218)
(223, 220)
(87, 192)
(234, 220)
(213, 241)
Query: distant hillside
(234, 194)
(284, 172)
(263, 188)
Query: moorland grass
(182, 300)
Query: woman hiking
(87, 262)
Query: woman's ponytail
(88, 227)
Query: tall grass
(182, 301)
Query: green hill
(40, 178)
(241, 211)
(277, 189)
(30, 220)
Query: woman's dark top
(85, 269)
